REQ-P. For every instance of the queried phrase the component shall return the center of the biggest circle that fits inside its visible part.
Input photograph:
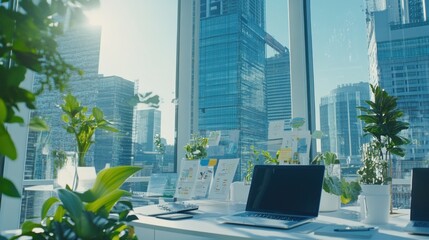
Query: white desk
(204, 225)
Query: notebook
(419, 216)
(283, 196)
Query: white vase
(375, 204)
(239, 191)
(329, 202)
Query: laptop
(283, 196)
(419, 214)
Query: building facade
(231, 86)
(278, 90)
(398, 47)
(113, 97)
(342, 130)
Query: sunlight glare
(95, 17)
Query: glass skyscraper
(342, 130)
(232, 74)
(277, 75)
(81, 48)
(398, 42)
(113, 97)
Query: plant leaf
(110, 179)
(38, 124)
(8, 188)
(47, 205)
(106, 201)
(7, 147)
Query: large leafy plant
(381, 122)
(83, 126)
(97, 213)
(28, 30)
(333, 183)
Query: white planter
(375, 204)
(239, 192)
(329, 202)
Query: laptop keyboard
(271, 216)
(421, 224)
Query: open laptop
(419, 216)
(281, 196)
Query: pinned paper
(187, 177)
(223, 178)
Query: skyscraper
(342, 129)
(113, 97)
(232, 74)
(398, 43)
(277, 76)
(79, 47)
(148, 124)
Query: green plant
(333, 183)
(374, 169)
(381, 122)
(82, 126)
(197, 147)
(27, 42)
(95, 214)
(60, 159)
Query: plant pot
(374, 204)
(85, 178)
(239, 191)
(329, 202)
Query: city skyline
(150, 41)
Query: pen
(354, 229)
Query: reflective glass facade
(232, 73)
(399, 58)
(342, 130)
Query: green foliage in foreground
(95, 214)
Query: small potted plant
(196, 149)
(336, 190)
(381, 122)
(83, 127)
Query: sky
(139, 43)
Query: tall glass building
(232, 74)
(342, 129)
(398, 43)
(114, 94)
(277, 76)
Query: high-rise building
(148, 124)
(79, 47)
(277, 76)
(113, 98)
(398, 43)
(342, 129)
(232, 74)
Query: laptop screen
(420, 195)
(286, 189)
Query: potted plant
(30, 30)
(97, 213)
(197, 147)
(336, 189)
(83, 127)
(381, 122)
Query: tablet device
(175, 216)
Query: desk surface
(204, 224)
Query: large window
(235, 67)
(377, 42)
